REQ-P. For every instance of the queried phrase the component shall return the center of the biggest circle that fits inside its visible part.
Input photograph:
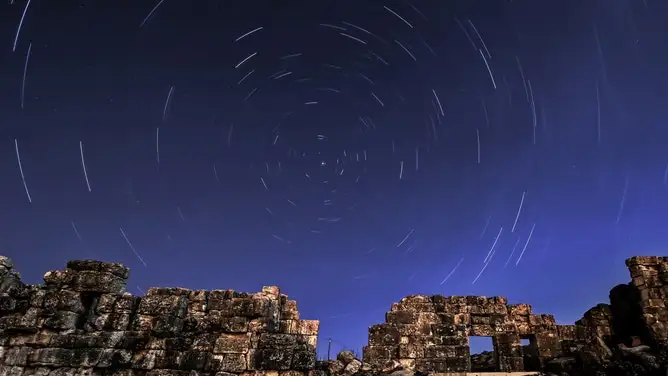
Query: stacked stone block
(82, 322)
(649, 274)
(430, 334)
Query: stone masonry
(82, 322)
(430, 334)
(649, 275)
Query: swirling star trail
(350, 152)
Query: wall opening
(483, 356)
(530, 353)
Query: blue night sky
(350, 152)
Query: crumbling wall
(649, 274)
(430, 334)
(638, 311)
(81, 321)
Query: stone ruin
(82, 322)
(431, 334)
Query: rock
(561, 365)
(352, 367)
(346, 356)
(335, 367)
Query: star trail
(350, 152)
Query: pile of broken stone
(601, 360)
(347, 364)
(638, 360)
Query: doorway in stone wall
(483, 356)
(530, 353)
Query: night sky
(350, 152)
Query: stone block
(303, 327)
(431, 365)
(411, 351)
(384, 335)
(217, 322)
(379, 354)
(439, 352)
(519, 309)
(232, 343)
(510, 363)
(303, 358)
(439, 330)
(163, 305)
(481, 331)
(113, 268)
(413, 329)
(289, 310)
(401, 317)
(273, 359)
(61, 320)
(100, 282)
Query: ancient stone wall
(637, 312)
(649, 275)
(82, 322)
(430, 334)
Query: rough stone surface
(430, 334)
(82, 322)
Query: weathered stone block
(167, 326)
(303, 358)
(112, 268)
(303, 327)
(439, 330)
(159, 305)
(566, 332)
(289, 309)
(519, 309)
(51, 357)
(374, 354)
(481, 331)
(61, 320)
(401, 317)
(146, 359)
(17, 356)
(411, 351)
(439, 352)
(63, 300)
(451, 341)
(232, 343)
(431, 365)
(274, 359)
(101, 282)
(510, 364)
(413, 329)
(217, 322)
(384, 335)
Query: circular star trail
(350, 152)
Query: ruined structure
(431, 334)
(81, 322)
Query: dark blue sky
(367, 121)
